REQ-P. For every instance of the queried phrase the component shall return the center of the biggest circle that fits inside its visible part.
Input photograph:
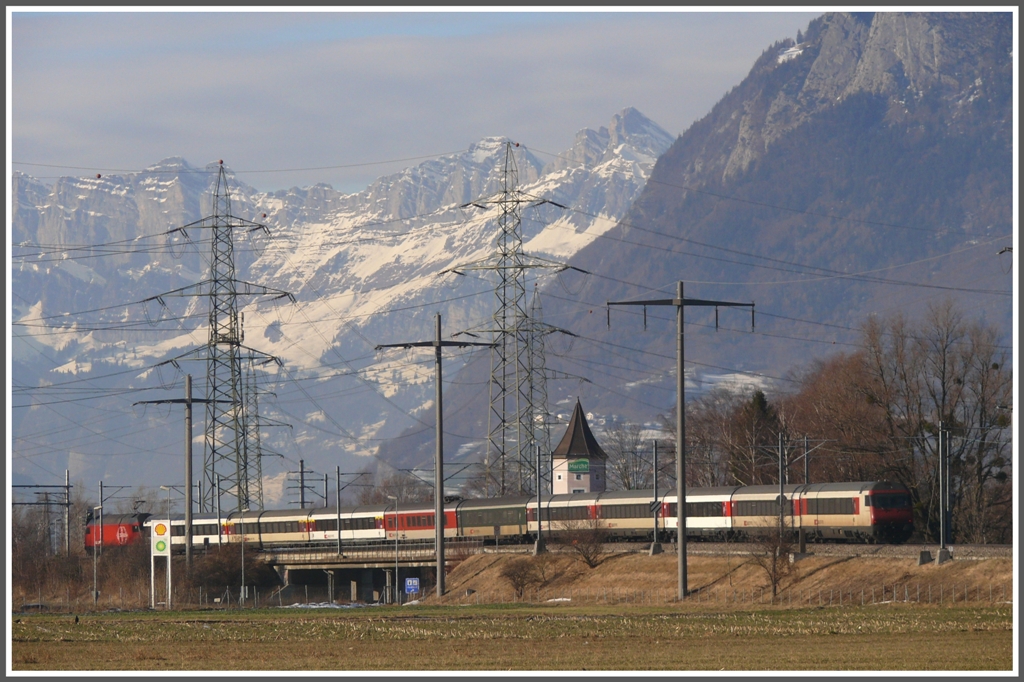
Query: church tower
(578, 463)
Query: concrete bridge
(366, 572)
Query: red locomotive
(117, 529)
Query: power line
(236, 172)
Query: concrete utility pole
(337, 506)
(187, 401)
(655, 505)
(67, 512)
(943, 464)
(680, 302)
(437, 344)
(782, 489)
(539, 548)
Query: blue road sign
(412, 585)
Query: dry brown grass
(652, 579)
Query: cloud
(297, 90)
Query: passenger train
(851, 512)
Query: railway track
(904, 551)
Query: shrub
(520, 573)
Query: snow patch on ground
(325, 605)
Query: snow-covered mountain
(365, 269)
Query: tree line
(870, 414)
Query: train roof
(856, 486)
(327, 512)
(271, 514)
(770, 489)
(518, 501)
(118, 519)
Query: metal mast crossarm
(680, 302)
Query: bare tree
(481, 483)
(583, 537)
(708, 421)
(406, 487)
(944, 370)
(771, 549)
(880, 409)
(628, 467)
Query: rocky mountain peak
(920, 67)
(631, 127)
(628, 128)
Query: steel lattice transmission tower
(232, 449)
(539, 375)
(511, 417)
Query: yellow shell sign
(161, 541)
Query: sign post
(160, 545)
(412, 585)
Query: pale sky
(275, 92)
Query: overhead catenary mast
(232, 450)
(510, 430)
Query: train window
(757, 508)
(569, 513)
(890, 500)
(625, 511)
(830, 505)
(704, 509)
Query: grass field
(903, 637)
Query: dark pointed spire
(578, 440)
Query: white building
(578, 463)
